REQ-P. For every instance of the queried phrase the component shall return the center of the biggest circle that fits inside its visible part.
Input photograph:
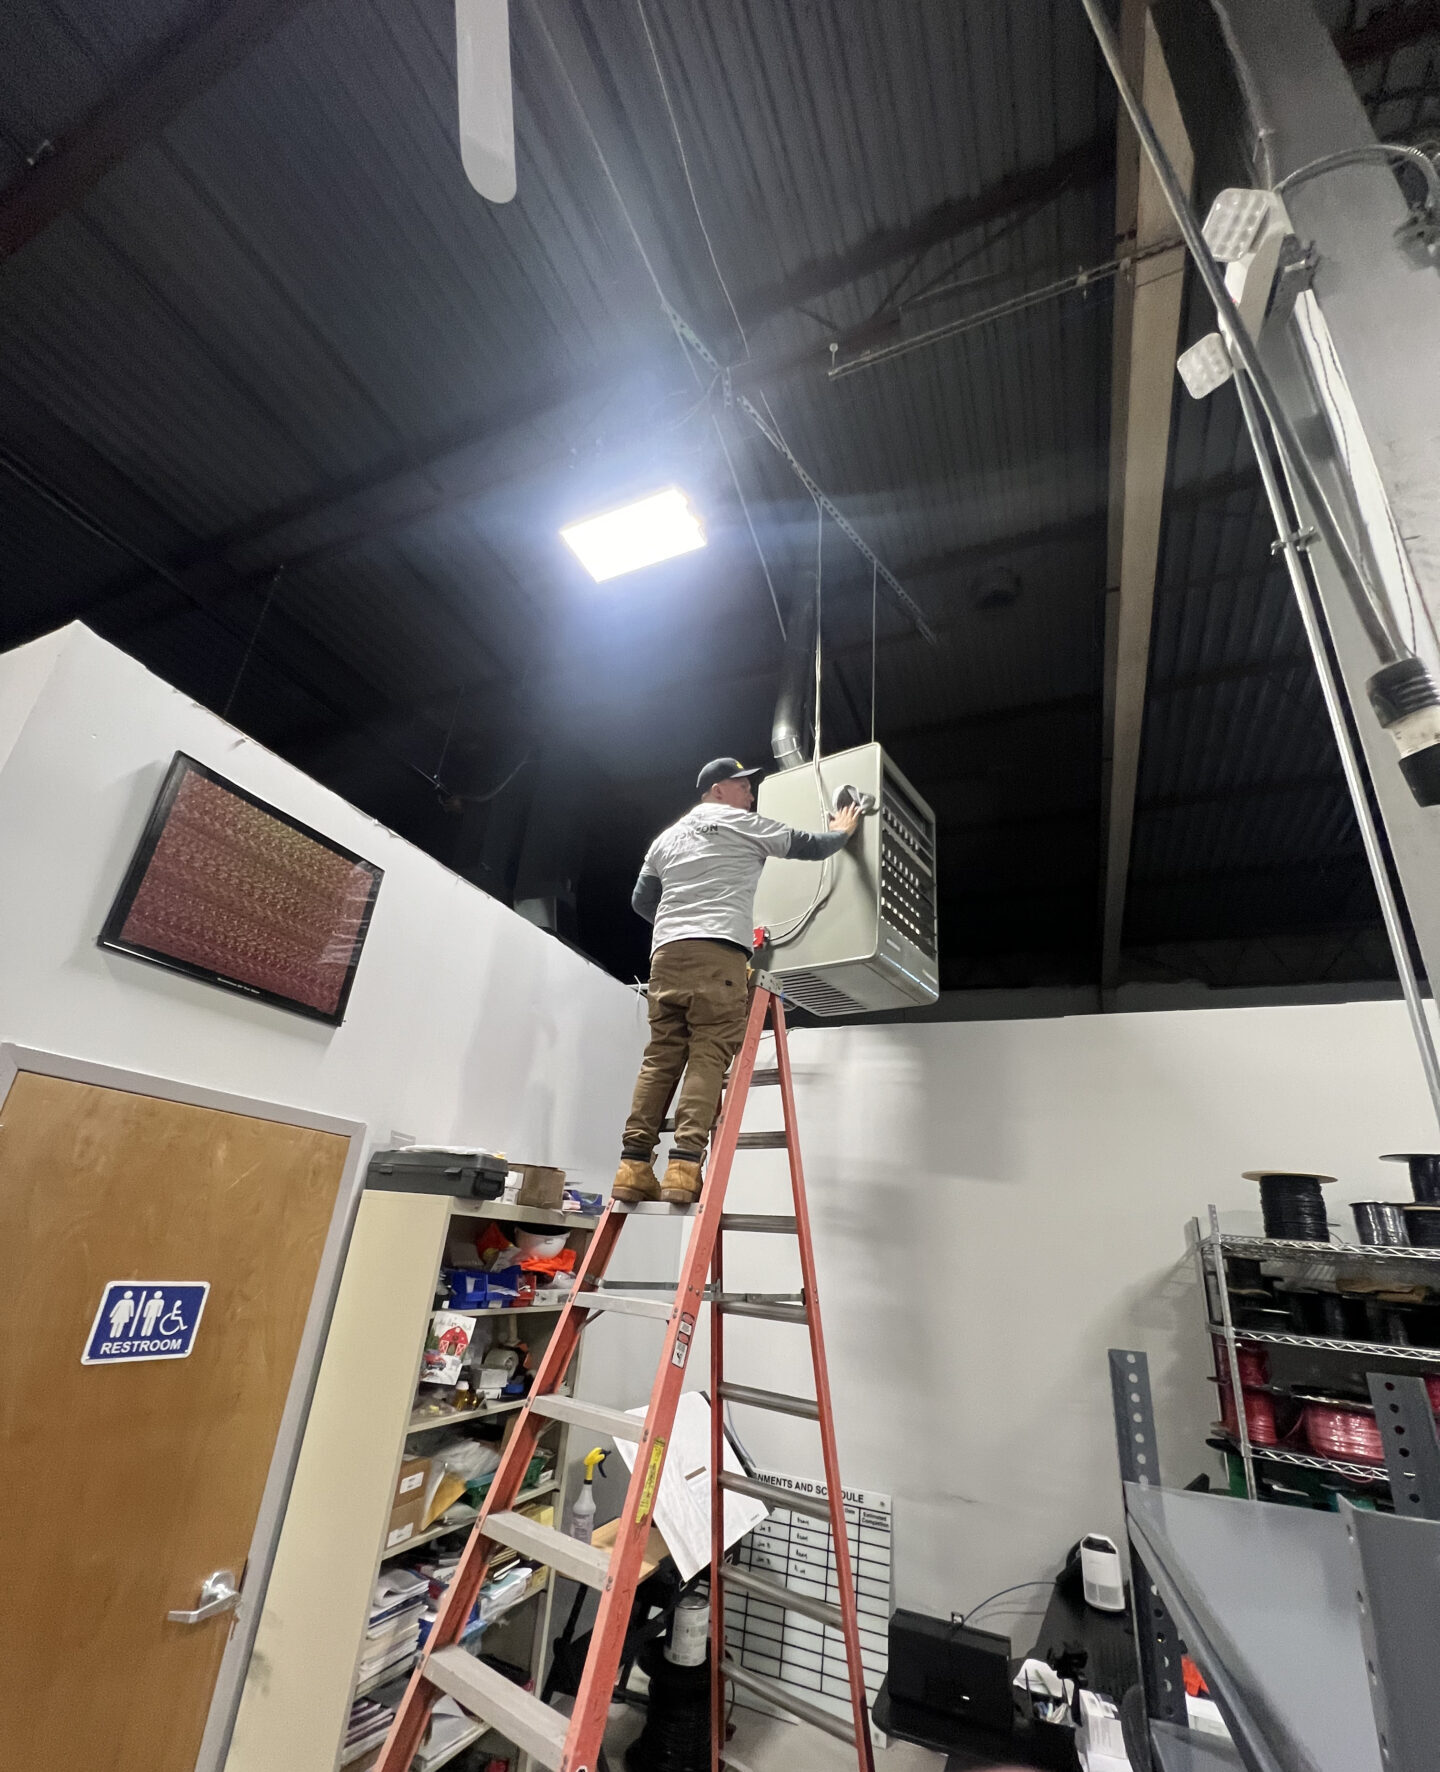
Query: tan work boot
(681, 1186)
(635, 1180)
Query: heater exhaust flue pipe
(794, 719)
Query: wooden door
(123, 1486)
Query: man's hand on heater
(847, 819)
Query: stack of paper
(448, 1724)
(394, 1625)
(500, 1592)
(682, 1506)
(369, 1725)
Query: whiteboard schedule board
(799, 1551)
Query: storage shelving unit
(453, 1522)
(1317, 1632)
(422, 1424)
(1300, 1262)
(1253, 1592)
(1334, 1344)
(521, 1645)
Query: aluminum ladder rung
(654, 1208)
(760, 1588)
(626, 1304)
(747, 1141)
(517, 1714)
(805, 1407)
(740, 1304)
(784, 1699)
(578, 1561)
(595, 1416)
(550, 1739)
(769, 1079)
(773, 1497)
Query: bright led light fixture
(1235, 220)
(1205, 366)
(653, 528)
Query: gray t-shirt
(699, 877)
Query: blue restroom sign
(145, 1320)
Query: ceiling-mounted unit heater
(855, 933)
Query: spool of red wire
(1260, 1418)
(1250, 1356)
(1338, 1429)
(1254, 1367)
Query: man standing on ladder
(697, 886)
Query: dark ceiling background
(292, 416)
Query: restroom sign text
(145, 1320)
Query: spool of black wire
(1380, 1222)
(676, 1736)
(1423, 1222)
(1424, 1167)
(1293, 1205)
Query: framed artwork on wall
(230, 890)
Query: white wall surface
(465, 1022)
(23, 674)
(998, 1203)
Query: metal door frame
(230, 1680)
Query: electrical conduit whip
(1402, 693)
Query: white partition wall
(465, 1021)
(997, 1203)
(465, 1024)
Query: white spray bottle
(581, 1523)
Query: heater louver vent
(907, 871)
(820, 997)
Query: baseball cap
(724, 769)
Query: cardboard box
(407, 1505)
(541, 1186)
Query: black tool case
(436, 1169)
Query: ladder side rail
(413, 1714)
(592, 1701)
(848, 1609)
(717, 1513)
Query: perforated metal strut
(1156, 1638)
(574, 1743)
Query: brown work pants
(698, 1005)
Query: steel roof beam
(397, 495)
(1147, 331)
(1232, 794)
(62, 172)
(1088, 163)
(1344, 868)
(1083, 703)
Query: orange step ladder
(574, 1743)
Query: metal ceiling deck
(284, 333)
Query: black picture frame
(111, 939)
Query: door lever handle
(218, 1594)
